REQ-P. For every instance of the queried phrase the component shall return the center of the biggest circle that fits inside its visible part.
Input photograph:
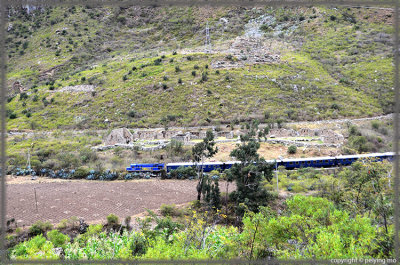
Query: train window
(297, 162)
(309, 162)
(290, 163)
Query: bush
(112, 219)
(80, 173)
(375, 125)
(39, 228)
(292, 149)
(184, 173)
(170, 210)
(177, 69)
(193, 73)
(23, 96)
(12, 116)
(157, 61)
(57, 238)
(132, 113)
(204, 77)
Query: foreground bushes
(310, 227)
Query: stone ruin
(119, 136)
(326, 135)
(123, 135)
(182, 137)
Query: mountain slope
(91, 67)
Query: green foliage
(183, 173)
(112, 219)
(80, 173)
(292, 149)
(35, 248)
(58, 239)
(40, 228)
(202, 150)
(170, 210)
(249, 173)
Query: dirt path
(92, 200)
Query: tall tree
(249, 173)
(201, 151)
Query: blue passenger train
(316, 162)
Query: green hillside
(148, 67)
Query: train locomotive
(316, 162)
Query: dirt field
(91, 200)
(273, 151)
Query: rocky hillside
(82, 67)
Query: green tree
(249, 173)
(202, 150)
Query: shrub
(177, 69)
(196, 67)
(39, 228)
(80, 173)
(112, 219)
(23, 96)
(87, 155)
(375, 125)
(179, 81)
(184, 173)
(57, 238)
(204, 77)
(35, 248)
(193, 73)
(174, 53)
(157, 61)
(132, 113)
(292, 149)
(12, 116)
(170, 210)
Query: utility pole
(208, 39)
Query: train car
(175, 166)
(316, 162)
(207, 166)
(307, 162)
(145, 168)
